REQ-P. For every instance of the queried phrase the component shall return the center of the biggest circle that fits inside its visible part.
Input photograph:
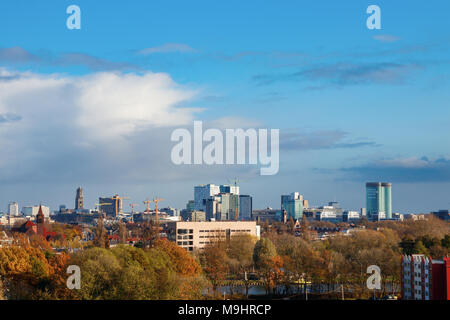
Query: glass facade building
(379, 199)
(293, 204)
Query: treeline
(285, 262)
(165, 271)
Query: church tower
(40, 219)
(79, 202)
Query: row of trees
(281, 259)
(166, 271)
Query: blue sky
(352, 104)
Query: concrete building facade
(196, 235)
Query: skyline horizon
(55, 207)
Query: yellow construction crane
(116, 199)
(147, 203)
(156, 201)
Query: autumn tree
(101, 235)
(267, 262)
(240, 257)
(214, 263)
(305, 229)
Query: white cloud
(104, 128)
(52, 122)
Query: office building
(267, 215)
(379, 200)
(79, 200)
(331, 213)
(245, 207)
(112, 206)
(229, 209)
(202, 193)
(293, 204)
(213, 207)
(196, 235)
(350, 216)
(32, 211)
(170, 211)
(225, 188)
(13, 209)
(195, 215)
(423, 278)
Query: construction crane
(235, 182)
(156, 201)
(116, 199)
(147, 203)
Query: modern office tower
(245, 207)
(110, 206)
(13, 209)
(229, 207)
(79, 202)
(379, 200)
(213, 206)
(225, 188)
(203, 192)
(293, 204)
(284, 200)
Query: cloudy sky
(96, 107)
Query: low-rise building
(196, 235)
(270, 215)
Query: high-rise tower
(379, 199)
(79, 199)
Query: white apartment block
(196, 235)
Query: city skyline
(96, 107)
(140, 206)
